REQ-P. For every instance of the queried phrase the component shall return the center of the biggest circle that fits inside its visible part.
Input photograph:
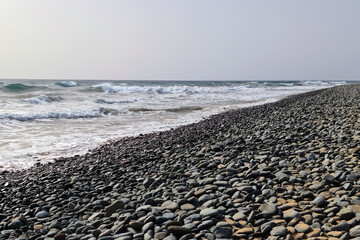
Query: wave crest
(20, 87)
(106, 101)
(67, 84)
(42, 99)
(109, 88)
(52, 115)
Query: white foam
(110, 88)
(52, 115)
(107, 101)
(68, 84)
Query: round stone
(209, 212)
(42, 214)
(278, 231)
(355, 231)
(346, 214)
(268, 209)
(170, 205)
(60, 236)
(302, 228)
(187, 207)
(239, 216)
(329, 178)
(223, 232)
(290, 214)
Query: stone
(146, 208)
(178, 230)
(282, 176)
(329, 178)
(148, 181)
(335, 234)
(186, 237)
(187, 207)
(209, 212)
(245, 230)
(268, 209)
(239, 216)
(96, 233)
(246, 188)
(136, 224)
(106, 238)
(95, 215)
(205, 224)
(170, 205)
(38, 226)
(319, 201)
(71, 205)
(355, 231)
(15, 224)
(60, 236)
(42, 214)
(190, 226)
(265, 228)
(278, 231)
(170, 237)
(148, 226)
(302, 227)
(317, 186)
(112, 208)
(105, 233)
(314, 233)
(344, 226)
(223, 232)
(160, 235)
(290, 214)
(307, 194)
(346, 214)
(297, 236)
(123, 238)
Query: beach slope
(288, 169)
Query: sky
(180, 39)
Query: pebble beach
(282, 170)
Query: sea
(41, 120)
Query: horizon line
(233, 80)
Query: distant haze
(180, 39)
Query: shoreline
(237, 174)
(38, 158)
(130, 137)
(108, 115)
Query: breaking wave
(106, 101)
(77, 114)
(67, 84)
(42, 99)
(109, 88)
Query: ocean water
(44, 119)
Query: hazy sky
(180, 39)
